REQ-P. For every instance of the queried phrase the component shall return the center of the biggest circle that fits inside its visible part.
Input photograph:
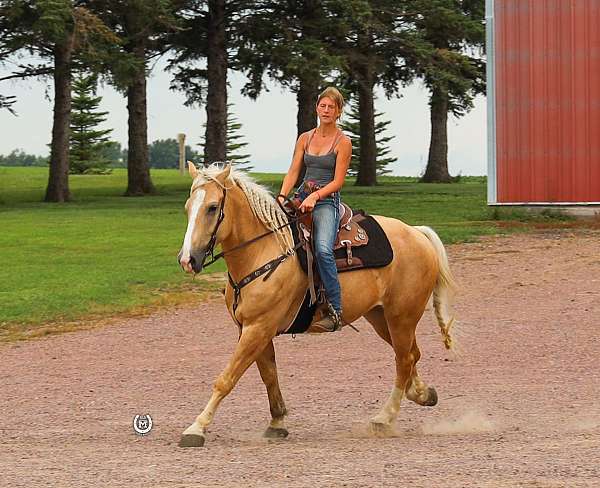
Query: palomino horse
(226, 207)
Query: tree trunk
(310, 81)
(367, 169)
(216, 97)
(138, 165)
(307, 114)
(307, 102)
(437, 163)
(365, 76)
(58, 179)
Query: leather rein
(267, 268)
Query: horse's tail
(444, 287)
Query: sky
(268, 124)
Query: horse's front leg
(268, 372)
(252, 343)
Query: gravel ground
(517, 408)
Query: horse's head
(204, 210)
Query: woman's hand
(309, 202)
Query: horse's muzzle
(193, 264)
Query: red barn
(544, 103)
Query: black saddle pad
(304, 316)
(376, 254)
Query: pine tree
(379, 48)
(233, 142)
(142, 27)
(205, 37)
(382, 151)
(454, 73)
(87, 141)
(61, 34)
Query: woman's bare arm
(295, 167)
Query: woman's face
(327, 110)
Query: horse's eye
(212, 209)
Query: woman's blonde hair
(335, 95)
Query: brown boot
(330, 322)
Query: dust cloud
(471, 422)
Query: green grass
(104, 253)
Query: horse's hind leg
(417, 390)
(401, 333)
(268, 372)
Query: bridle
(210, 248)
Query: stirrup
(330, 322)
(335, 317)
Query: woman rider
(325, 152)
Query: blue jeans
(326, 219)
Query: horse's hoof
(379, 429)
(275, 433)
(191, 440)
(432, 397)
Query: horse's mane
(261, 202)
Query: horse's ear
(192, 169)
(223, 175)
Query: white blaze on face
(197, 200)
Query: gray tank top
(320, 168)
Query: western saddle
(350, 235)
